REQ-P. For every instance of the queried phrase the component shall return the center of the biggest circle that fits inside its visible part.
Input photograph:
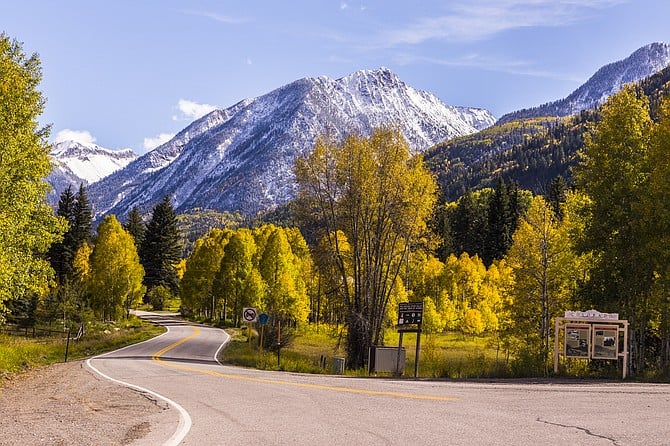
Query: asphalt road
(221, 405)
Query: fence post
(67, 344)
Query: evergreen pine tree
(82, 219)
(135, 226)
(61, 254)
(77, 212)
(499, 232)
(469, 223)
(516, 206)
(160, 250)
(557, 195)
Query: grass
(19, 354)
(310, 351)
(445, 355)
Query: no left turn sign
(249, 314)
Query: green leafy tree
(656, 215)
(160, 250)
(285, 293)
(198, 288)
(502, 221)
(115, 279)
(235, 269)
(614, 173)
(378, 196)
(158, 296)
(469, 222)
(543, 262)
(28, 226)
(330, 300)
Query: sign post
(263, 320)
(249, 315)
(410, 313)
(279, 343)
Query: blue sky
(130, 73)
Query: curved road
(216, 404)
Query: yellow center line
(157, 357)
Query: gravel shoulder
(68, 403)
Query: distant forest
(530, 152)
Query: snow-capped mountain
(605, 82)
(241, 158)
(75, 162)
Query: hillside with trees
(530, 152)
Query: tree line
(371, 232)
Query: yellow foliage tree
(373, 191)
(27, 224)
(115, 280)
(543, 261)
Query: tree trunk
(359, 340)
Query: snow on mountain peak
(90, 162)
(608, 80)
(241, 158)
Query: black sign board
(410, 313)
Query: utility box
(386, 359)
(338, 366)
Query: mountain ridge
(241, 158)
(76, 162)
(606, 81)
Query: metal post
(625, 349)
(278, 343)
(556, 328)
(397, 361)
(418, 351)
(261, 341)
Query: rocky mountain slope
(605, 82)
(79, 163)
(241, 158)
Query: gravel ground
(68, 404)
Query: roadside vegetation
(450, 355)
(19, 353)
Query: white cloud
(192, 110)
(473, 20)
(152, 143)
(81, 136)
(343, 6)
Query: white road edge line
(184, 418)
(225, 342)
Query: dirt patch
(67, 404)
